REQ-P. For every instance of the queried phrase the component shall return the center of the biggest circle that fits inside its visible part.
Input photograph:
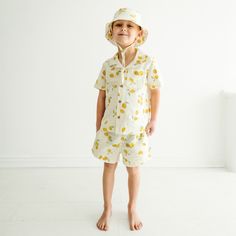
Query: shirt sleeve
(154, 79)
(101, 80)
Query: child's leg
(133, 185)
(108, 184)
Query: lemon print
(142, 129)
(154, 71)
(106, 134)
(131, 80)
(123, 129)
(134, 16)
(109, 151)
(132, 91)
(104, 72)
(103, 158)
(96, 144)
(138, 72)
(126, 151)
(122, 111)
(140, 100)
(112, 75)
(115, 145)
(141, 135)
(111, 127)
(104, 129)
(123, 105)
(140, 152)
(129, 145)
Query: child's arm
(155, 100)
(100, 107)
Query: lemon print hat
(130, 15)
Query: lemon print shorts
(135, 149)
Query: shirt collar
(116, 61)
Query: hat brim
(140, 41)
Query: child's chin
(123, 44)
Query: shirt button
(118, 117)
(119, 101)
(121, 85)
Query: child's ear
(140, 33)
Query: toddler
(127, 105)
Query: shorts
(135, 148)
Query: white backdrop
(51, 53)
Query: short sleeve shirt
(128, 105)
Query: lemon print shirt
(128, 104)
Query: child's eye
(118, 25)
(130, 26)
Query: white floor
(68, 201)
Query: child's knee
(132, 170)
(110, 166)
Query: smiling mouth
(122, 34)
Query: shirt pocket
(135, 80)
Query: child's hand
(150, 128)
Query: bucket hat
(130, 15)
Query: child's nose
(124, 28)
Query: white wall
(51, 54)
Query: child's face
(124, 32)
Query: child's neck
(129, 55)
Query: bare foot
(134, 221)
(103, 222)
